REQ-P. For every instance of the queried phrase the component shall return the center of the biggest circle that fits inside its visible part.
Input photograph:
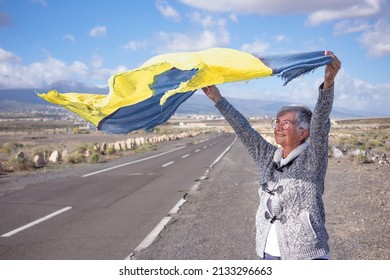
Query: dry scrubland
(361, 141)
(31, 146)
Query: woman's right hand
(213, 93)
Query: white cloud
(135, 45)
(233, 18)
(319, 11)
(256, 47)
(377, 39)
(214, 34)
(356, 94)
(374, 37)
(243, 6)
(167, 11)
(208, 21)
(69, 38)
(350, 93)
(347, 27)
(356, 9)
(39, 2)
(39, 74)
(98, 31)
(97, 61)
(6, 56)
(50, 70)
(281, 38)
(179, 42)
(350, 16)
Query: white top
(272, 246)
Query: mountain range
(11, 99)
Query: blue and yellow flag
(149, 95)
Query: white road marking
(204, 147)
(132, 162)
(166, 164)
(152, 235)
(156, 231)
(195, 186)
(135, 174)
(223, 153)
(185, 156)
(197, 150)
(176, 208)
(36, 222)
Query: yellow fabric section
(126, 89)
(82, 104)
(215, 66)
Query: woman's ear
(305, 133)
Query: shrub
(13, 145)
(5, 150)
(110, 150)
(374, 143)
(81, 149)
(20, 164)
(94, 158)
(147, 147)
(76, 157)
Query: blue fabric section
(149, 113)
(290, 66)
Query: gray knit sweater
(297, 186)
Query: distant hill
(197, 104)
(200, 104)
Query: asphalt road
(104, 211)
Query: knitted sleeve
(257, 146)
(320, 126)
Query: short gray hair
(303, 114)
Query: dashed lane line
(47, 217)
(167, 164)
(131, 162)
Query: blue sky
(45, 41)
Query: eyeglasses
(285, 124)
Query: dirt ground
(357, 200)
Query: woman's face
(288, 135)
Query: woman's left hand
(331, 70)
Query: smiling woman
(290, 220)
